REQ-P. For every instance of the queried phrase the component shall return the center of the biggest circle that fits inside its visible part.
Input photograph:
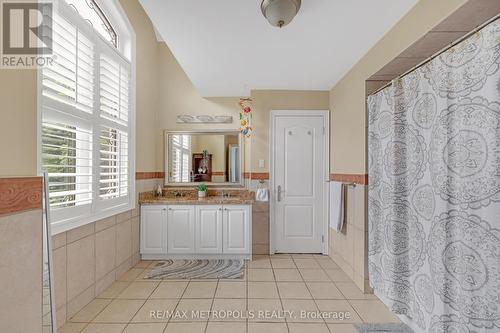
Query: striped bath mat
(197, 269)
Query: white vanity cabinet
(195, 231)
(180, 229)
(153, 229)
(236, 228)
(208, 229)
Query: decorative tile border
(20, 194)
(350, 178)
(256, 175)
(149, 175)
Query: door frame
(274, 114)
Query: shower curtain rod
(449, 46)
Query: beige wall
(347, 97)
(147, 87)
(18, 115)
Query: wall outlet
(262, 164)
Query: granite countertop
(244, 198)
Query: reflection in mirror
(48, 305)
(204, 157)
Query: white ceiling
(227, 47)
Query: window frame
(73, 218)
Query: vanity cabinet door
(153, 229)
(180, 229)
(236, 229)
(208, 229)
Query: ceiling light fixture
(280, 12)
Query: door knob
(279, 193)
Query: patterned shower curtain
(434, 190)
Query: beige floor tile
(71, 328)
(314, 274)
(301, 310)
(104, 328)
(287, 274)
(229, 309)
(327, 263)
(264, 310)
(337, 275)
(337, 311)
(374, 311)
(306, 263)
(131, 274)
(115, 289)
(297, 290)
(155, 310)
(308, 328)
(139, 290)
(280, 256)
(282, 263)
(231, 290)
(168, 289)
(342, 328)
(267, 328)
(191, 307)
(324, 290)
(351, 291)
(90, 311)
(302, 256)
(145, 328)
(194, 327)
(262, 290)
(226, 327)
(259, 263)
(119, 311)
(260, 274)
(198, 289)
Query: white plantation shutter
(85, 129)
(114, 90)
(71, 79)
(67, 157)
(113, 174)
(181, 158)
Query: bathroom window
(90, 11)
(86, 127)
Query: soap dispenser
(158, 191)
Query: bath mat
(197, 269)
(385, 327)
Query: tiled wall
(21, 254)
(21, 272)
(86, 260)
(349, 248)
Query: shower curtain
(434, 190)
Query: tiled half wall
(349, 248)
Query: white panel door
(208, 229)
(180, 229)
(236, 229)
(153, 229)
(299, 182)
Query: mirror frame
(241, 143)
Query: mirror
(203, 157)
(48, 299)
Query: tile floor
(282, 293)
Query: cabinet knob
(164, 209)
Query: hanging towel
(336, 206)
(262, 194)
